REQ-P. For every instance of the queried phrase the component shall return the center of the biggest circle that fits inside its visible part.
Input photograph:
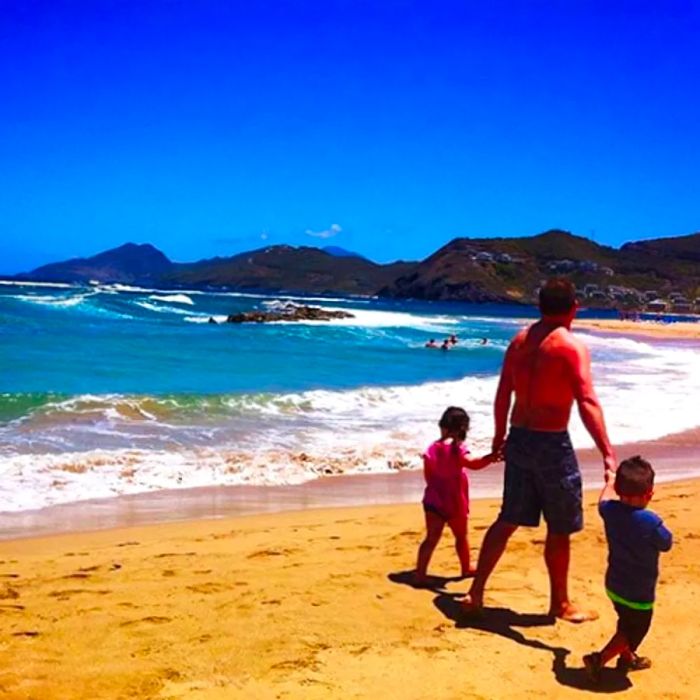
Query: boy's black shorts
(633, 624)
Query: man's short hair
(557, 296)
(634, 477)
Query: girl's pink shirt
(447, 487)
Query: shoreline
(675, 457)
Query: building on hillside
(650, 295)
(504, 258)
(588, 289)
(656, 306)
(607, 271)
(561, 266)
(682, 307)
(587, 266)
(483, 256)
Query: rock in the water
(290, 312)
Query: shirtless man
(547, 369)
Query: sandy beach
(688, 330)
(315, 604)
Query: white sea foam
(54, 301)
(295, 436)
(174, 298)
(162, 309)
(17, 283)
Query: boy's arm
(608, 492)
(661, 536)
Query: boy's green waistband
(628, 603)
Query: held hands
(497, 447)
(609, 469)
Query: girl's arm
(478, 462)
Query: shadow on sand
(503, 621)
(436, 584)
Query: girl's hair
(455, 422)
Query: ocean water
(113, 390)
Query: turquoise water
(79, 342)
(112, 390)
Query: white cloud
(332, 230)
(264, 235)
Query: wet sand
(675, 457)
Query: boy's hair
(557, 296)
(634, 477)
(455, 421)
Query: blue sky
(208, 127)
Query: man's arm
(589, 407)
(501, 404)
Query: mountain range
(469, 269)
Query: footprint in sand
(78, 574)
(66, 594)
(173, 554)
(151, 619)
(209, 587)
(130, 543)
(10, 607)
(26, 633)
(168, 572)
(272, 553)
(8, 593)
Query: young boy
(635, 538)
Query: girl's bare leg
(434, 525)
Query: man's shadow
(502, 621)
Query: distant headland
(661, 274)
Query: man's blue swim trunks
(542, 477)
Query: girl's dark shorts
(542, 478)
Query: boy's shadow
(501, 621)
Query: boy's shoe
(636, 663)
(593, 666)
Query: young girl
(446, 497)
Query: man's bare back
(544, 363)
